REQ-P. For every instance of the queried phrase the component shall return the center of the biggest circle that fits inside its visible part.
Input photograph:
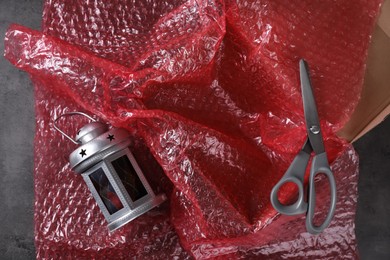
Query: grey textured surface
(373, 212)
(16, 159)
(16, 141)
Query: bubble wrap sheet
(210, 91)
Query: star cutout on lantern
(83, 152)
(111, 137)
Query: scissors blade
(310, 110)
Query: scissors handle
(295, 173)
(320, 165)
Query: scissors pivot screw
(315, 129)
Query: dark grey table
(16, 159)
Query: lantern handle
(69, 114)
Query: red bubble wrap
(210, 91)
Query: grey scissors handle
(295, 173)
(320, 165)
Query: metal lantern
(111, 172)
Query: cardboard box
(374, 105)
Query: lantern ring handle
(69, 114)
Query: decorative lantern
(111, 172)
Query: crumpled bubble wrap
(210, 91)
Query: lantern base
(153, 202)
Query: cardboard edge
(374, 105)
(376, 121)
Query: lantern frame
(116, 183)
(100, 147)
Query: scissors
(320, 165)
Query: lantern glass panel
(105, 191)
(129, 178)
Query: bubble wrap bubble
(210, 91)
